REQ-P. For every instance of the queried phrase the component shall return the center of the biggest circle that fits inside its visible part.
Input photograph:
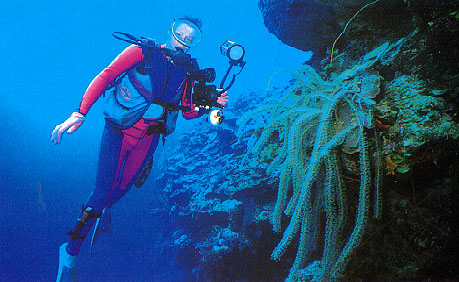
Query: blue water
(50, 51)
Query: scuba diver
(149, 84)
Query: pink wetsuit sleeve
(124, 61)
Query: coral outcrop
(311, 134)
(354, 164)
(310, 125)
(314, 25)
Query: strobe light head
(216, 117)
(235, 52)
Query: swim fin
(67, 269)
(103, 224)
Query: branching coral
(312, 123)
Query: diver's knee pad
(86, 215)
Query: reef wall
(382, 99)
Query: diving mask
(186, 32)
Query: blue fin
(103, 224)
(67, 270)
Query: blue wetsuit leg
(116, 148)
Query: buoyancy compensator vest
(155, 85)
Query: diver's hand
(223, 99)
(71, 125)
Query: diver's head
(184, 33)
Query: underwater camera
(205, 95)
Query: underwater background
(50, 51)
(337, 160)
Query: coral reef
(307, 137)
(312, 124)
(224, 186)
(417, 241)
(219, 209)
(307, 159)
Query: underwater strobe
(205, 96)
(233, 51)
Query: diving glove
(70, 125)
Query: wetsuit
(124, 153)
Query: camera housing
(203, 75)
(204, 95)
